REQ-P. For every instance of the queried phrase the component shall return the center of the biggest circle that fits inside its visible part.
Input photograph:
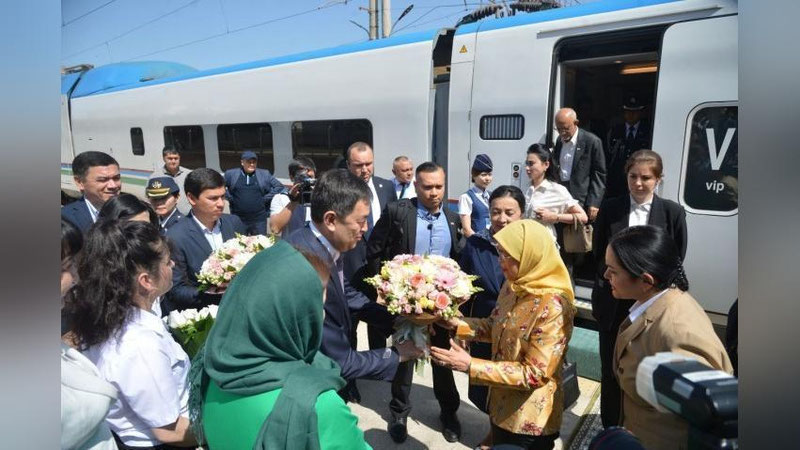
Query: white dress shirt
(568, 155)
(639, 308)
(640, 212)
(93, 212)
(410, 191)
(550, 196)
(465, 201)
(335, 254)
(375, 203)
(149, 370)
(213, 236)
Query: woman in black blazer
(641, 206)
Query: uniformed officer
(622, 140)
(163, 194)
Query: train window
(137, 141)
(189, 142)
(711, 160)
(503, 127)
(324, 141)
(233, 139)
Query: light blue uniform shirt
(433, 233)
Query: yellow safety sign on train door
(463, 49)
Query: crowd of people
(281, 362)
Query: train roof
(131, 75)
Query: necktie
(340, 271)
(403, 190)
(630, 133)
(369, 220)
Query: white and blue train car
(445, 95)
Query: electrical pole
(373, 19)
(386, 14)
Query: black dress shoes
(398, 430)
(451, 427)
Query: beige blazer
(675, 323)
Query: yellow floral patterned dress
(529, 337)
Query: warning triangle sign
(463, 49)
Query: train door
(609, 79)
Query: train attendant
(163, 194)
(643, 263)
(642, 206)
(473, 206)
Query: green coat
(232, 422)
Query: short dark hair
(428, 167)
(125, 206)
(337, 190)
(201, 179)
(508, 190)
(544, 154)
(86, 160)
(170, 150)
(646, 157)
(359, 145)
(71, 239)
(299, 163)
(649, 249)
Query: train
(445, 95)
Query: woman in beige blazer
(643, 263)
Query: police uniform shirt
(149, 369)
(567, 156)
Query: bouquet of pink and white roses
(190, 327)
(223, 264)
(422, 289)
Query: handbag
(569, 383)
(577, 236)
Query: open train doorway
(609, 79)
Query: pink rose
(416, 280)
(442, 300)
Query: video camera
(306, 186)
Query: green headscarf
(267, 336)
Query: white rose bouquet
(190, 327)
(222, 265)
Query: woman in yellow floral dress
(529, 330)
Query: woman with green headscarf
(262, 382)
(529, 330)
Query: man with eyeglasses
(249, 191)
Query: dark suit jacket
(612, 218)
(587, 183)
(173, 219)
(617, 150)
(190, 250)
(340, 305)
(396, 233)
(355, 260)
(78, 214)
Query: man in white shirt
(403, 170)
(289, 211)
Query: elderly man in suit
(250, 191)
(96, 174)
(422, 225)
(339, 211)
(202, 231)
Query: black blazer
(338, 324)
(78, 214)
(612, 218)
(190, 250)
(587, 183)
(396, 233)
(617, 150)
(355, 260)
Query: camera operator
(291, 211)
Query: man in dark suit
(622, 140)
(580, 163)
(422, 225)
(360, 162)
(194, 237)
(96, 174)
(163, 194)
(250, 191)
(608, 311)
(339, 210)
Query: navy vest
(480, 213)
(247, 201)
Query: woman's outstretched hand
(456, 358)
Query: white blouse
(550, 196)
(149, 370)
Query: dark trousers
(444, 386)
(479, 394)
(256, 225)
(610, 393)
(526, 441)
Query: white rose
(190, 314)
(241, 259)
(212, 309)
(203, 313)
(461, 289)
(176, 319)
(264, 241)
